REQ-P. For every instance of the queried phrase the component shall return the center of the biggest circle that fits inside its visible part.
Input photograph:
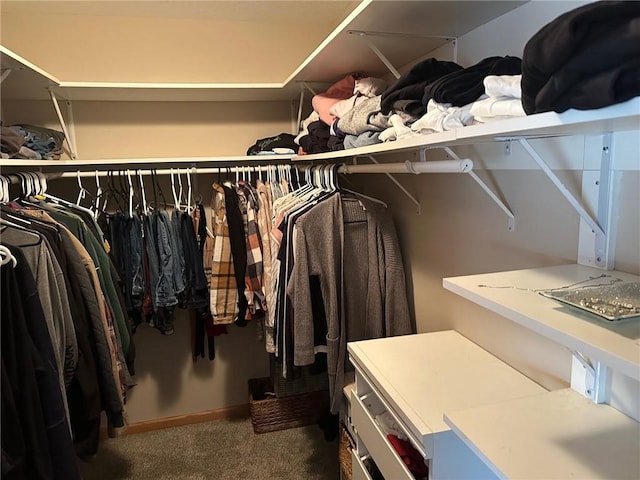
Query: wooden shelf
(559, 434)
(515, 296)
(445, 372)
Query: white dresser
(417, 378)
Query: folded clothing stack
(31, 142)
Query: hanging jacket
(349, 249)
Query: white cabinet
(416, 378)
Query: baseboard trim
(237, 411)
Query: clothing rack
(444, 166)
(457, 165)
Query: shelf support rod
(398, 184)
(5, 74)
(311, 90)
(563, 189)
(445, 166)
(511, 221)
(299, 118)
(380, 55)
(70, 138)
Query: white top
(557, 435)
(616, 344)
(422, 376)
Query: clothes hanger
(176, 198)
(7, 256)
(83, 191)
(145, 208)
(189, 193)
(160, 192)
(4, 189)
(184, 200)
(95, 203)
(130, 193)
(197, 196)
(40, 192)
(357, 194)
(24, 228)
(115, 194)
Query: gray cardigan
(351, 246)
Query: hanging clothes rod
(444, 166)
(164, 171)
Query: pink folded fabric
(341, 90)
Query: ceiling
(238, 43)
(169, 40)
(317, 11)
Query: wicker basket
(344, 453)
(270, 413)
(301, 381)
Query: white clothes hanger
(130, 193)
(82, 193)
(4, 189)
(95, 205)
(176, 198)
(145, 208)
(6, 256)
(189, 206)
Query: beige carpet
(219, 450)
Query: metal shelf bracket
(5, 74)
(598, 254)
(399, 185)
(511, 221)
(590, 379)
(69, 130)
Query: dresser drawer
(372, 439)
(359, 471)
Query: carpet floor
(218, 450)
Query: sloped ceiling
(169, 41)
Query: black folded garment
(283, 140)
(586, 58)
(317, 141)
(466, 86)
(410, 86)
